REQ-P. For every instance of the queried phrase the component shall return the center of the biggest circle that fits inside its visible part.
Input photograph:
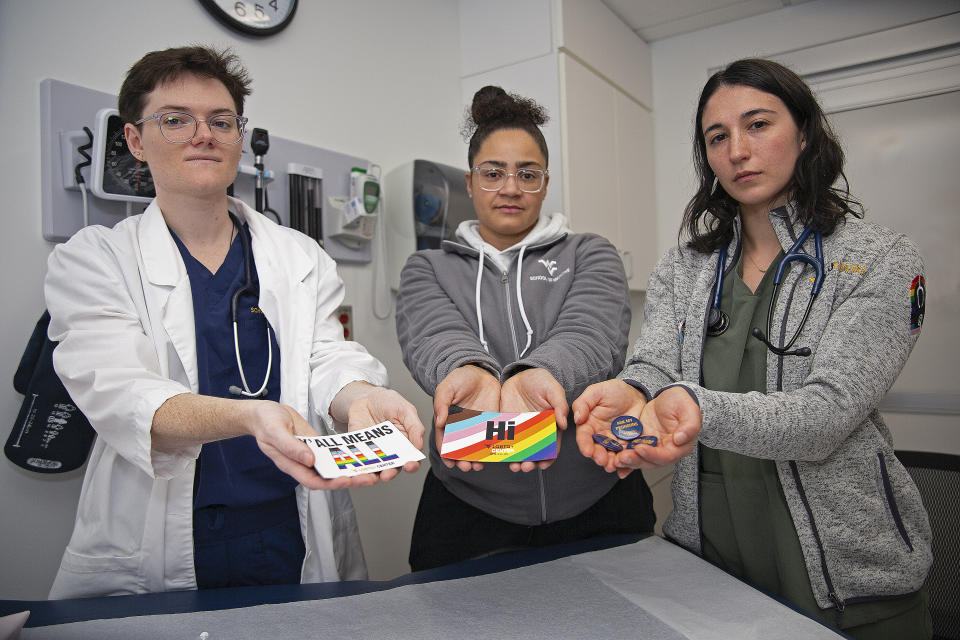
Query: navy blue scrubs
(246, 526)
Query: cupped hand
(675, 418)
(534, 390)
(595, 409)
(470, 387)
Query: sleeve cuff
(639, 387)
(682, 386)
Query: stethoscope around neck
(248, 287)
(718, 321)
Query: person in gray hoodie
(765, 390)
(519, 315)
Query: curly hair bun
(494, 107)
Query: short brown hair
(158, 67)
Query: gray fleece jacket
(861, 524)
(568, 292)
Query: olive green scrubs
(746, 525)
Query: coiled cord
(78, 176)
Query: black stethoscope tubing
(718, 321)
(253, 289)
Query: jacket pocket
(83, 576)
(891, 502)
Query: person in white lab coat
(194, 482)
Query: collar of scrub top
(718, 321)
(248, 287)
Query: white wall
(377, 79)
(681, 64)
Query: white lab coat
(121, 308)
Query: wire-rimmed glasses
(179, 128)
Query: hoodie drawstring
(523, 312)
(479, 312)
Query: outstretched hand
(275, 427)
(382, 404)
(675, 418)
(534, 390)
(470, 387)
(595, 409)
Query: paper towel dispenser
(425, 202)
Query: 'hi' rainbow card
(491, 436)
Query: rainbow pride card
(375, 448)
(491, 436)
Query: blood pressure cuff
(50, 435)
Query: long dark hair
(494, 109)
(820, 199)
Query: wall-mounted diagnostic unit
(81, 132)
(115, 173)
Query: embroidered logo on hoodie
(550, 266)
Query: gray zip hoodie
(861, 524)
(556, 300)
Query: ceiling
(656, 19)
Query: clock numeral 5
(240, 8)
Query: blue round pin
(626, 427)
(608, 443)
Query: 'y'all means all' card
(490, 436)
(375, 448)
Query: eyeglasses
(493, 178)
(180, 128)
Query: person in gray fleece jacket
(519, 315)
(785, 471)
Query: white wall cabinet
(608, 166)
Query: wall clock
(253, 17)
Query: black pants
(448, 530)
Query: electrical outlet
(344, 315)
(70, 157)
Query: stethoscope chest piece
(717, 322)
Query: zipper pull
(503, 276)
(840, 604)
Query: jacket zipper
(543, 496)
(703, 342)
(891, 503)
(838, 602)
(504, 280)
(834, 598)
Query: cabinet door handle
(627, 257)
